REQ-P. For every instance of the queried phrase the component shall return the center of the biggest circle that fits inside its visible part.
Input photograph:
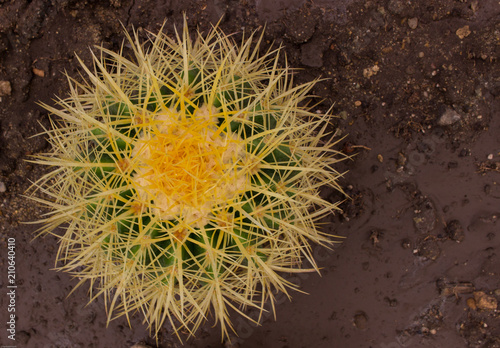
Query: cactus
(187, 179)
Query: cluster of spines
(170, 269)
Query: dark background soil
(416, 86)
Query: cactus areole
(187, 179)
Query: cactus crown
(187, 178)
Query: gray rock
(449, 117)
(413, 23)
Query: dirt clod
(310, 56)
(360, 321)
(429, 249)
(425, 217)
(455, 231)
(484, 301)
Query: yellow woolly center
(186, 166)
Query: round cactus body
(187, 179)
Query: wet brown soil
(415, 86)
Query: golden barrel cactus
(187, 178)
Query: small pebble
(406, 243)
(471, 303)
(3, 188)
(5, 88)
(449, 117)
(38, 72)
(369, 72)
(413, 23)
(463, 32)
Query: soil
(415, 86)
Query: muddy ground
(415, 86)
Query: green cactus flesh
(188, 179)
